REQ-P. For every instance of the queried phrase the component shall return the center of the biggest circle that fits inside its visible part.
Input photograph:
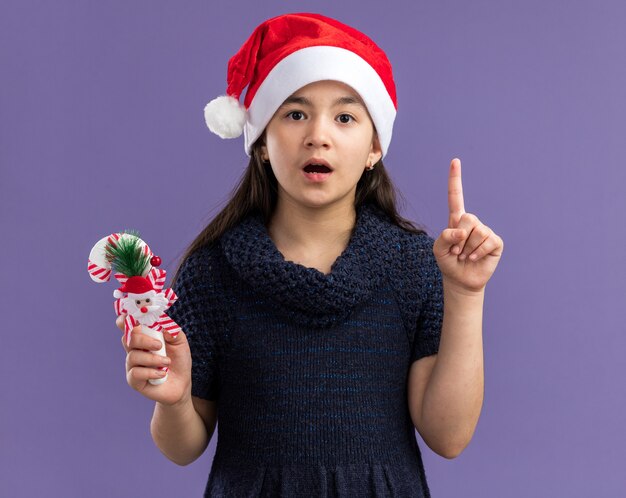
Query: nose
(144, 309)
(318, 133)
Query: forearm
(454, 394)
(179, 432)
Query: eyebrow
(340, 101)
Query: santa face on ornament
(147, 307)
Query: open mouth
(316, 172)
(317, 168)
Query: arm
(446, 400)
(446, 390)
(182, 432)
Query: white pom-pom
(117, 294)
(225, 116)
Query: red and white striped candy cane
(98, 266)
(100, 271)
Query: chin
(326, 201)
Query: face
(325, 121)
(143, 302)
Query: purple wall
(102, 129)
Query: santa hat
(139, 287)
(287, 52)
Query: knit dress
(309, 370)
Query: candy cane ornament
(141, 295)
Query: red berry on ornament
(155, 261)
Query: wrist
(180, 406)
(453, 289)
(464, 306)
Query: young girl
(319, 326)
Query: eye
(137, 302)
(295, 112)
(346, 116)
(147, 300)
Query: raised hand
(467, 252)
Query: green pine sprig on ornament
(127, 255)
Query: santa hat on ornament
(287, 52)
(136, 287)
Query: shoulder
(202, 258)
(199, 274)
(199, 265)
(200, 291)
(415, 268)
(408, 254)
(415, 250)
(406, 242)
(412, 271)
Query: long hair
(257, 192)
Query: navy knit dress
(310, 370)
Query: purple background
(102, 129)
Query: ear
(264, 152)
(376, 152)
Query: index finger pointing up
(455, 194)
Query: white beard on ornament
(156, 307)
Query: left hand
(467, 252)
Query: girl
(319, 326)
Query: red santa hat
(287, 52)
(139, 287)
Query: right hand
(142, 364)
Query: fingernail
(156, 344)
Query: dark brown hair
(257, 192)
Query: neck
(307, 230)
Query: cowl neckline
(307, 296)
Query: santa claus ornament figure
(141, 295)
